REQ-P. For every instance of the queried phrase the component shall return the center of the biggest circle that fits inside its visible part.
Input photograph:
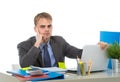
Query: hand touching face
(39, 36)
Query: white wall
(78, 21)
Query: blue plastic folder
(110, 38)
(23, 75)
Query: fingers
(103, 45)
(39, 35)
(39, 39)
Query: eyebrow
(45, 25)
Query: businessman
(45, 50)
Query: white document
(51, 69)
(54, 69)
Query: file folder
(110, 38)
(23, 75)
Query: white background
(78, 21)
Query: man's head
(43, 24)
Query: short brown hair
(42, 15)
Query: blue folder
(110, 38)
(51, 76)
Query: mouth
(47, 33)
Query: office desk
(94, 77)
(69, 77)
(8, 78)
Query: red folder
(28, 78)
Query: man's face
(44, 27)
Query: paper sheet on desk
(72, 69)
(54, 69)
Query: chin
(46, 39)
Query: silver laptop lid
(97, 55)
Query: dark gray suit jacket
(30, 55)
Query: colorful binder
(23, 75)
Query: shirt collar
(41, 45)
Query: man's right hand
(39, 38)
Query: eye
(49, 26)
(42, 26)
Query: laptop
(96, 55)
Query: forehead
(44, 21)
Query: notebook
(97, 55)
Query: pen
(78, 66)
(89, 66)
(78, 60)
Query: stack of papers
(51, 69)
(47, 75)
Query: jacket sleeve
(71, 51)
(27, 54)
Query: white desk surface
(94, 77)
(69, 77)
(8, 78)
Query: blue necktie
(47, 62)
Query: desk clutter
(83, 68)
(35, 74)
